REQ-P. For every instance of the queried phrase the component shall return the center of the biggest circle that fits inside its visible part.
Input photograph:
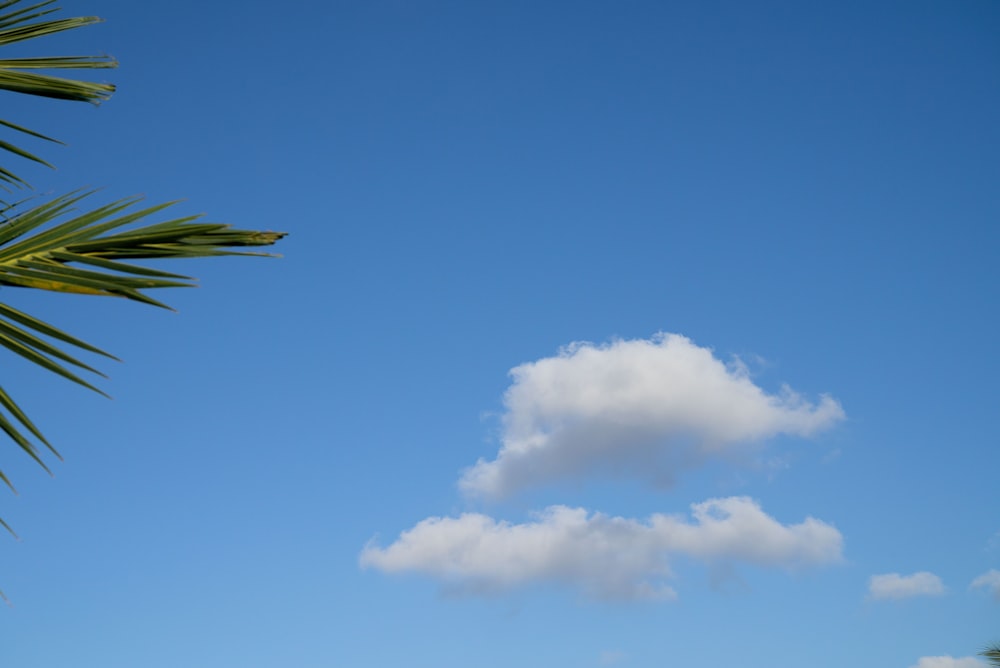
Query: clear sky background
(742, 257)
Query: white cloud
(643, 408)
(605, 557)
(994, 542)
(948, 662)
(896, 586)
(610, 658)
(990, 581)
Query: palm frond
(993, 654)
(55, 87)
(53, 246)
(26, 23)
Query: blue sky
(635, 334)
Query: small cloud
(648, 409)
(610, 558)
(994, 542)
(948, 662)
(610, 658)
(832, 456)
(896, 586)
(990, 581)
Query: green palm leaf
(54, 246)
(993, 654)
(17, 75)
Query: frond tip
(90, 253)
(993, 654)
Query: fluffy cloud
(948, 662)
(606, 557)
(610, 658)
(642, 408)
(990, 581)
(896, 586)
